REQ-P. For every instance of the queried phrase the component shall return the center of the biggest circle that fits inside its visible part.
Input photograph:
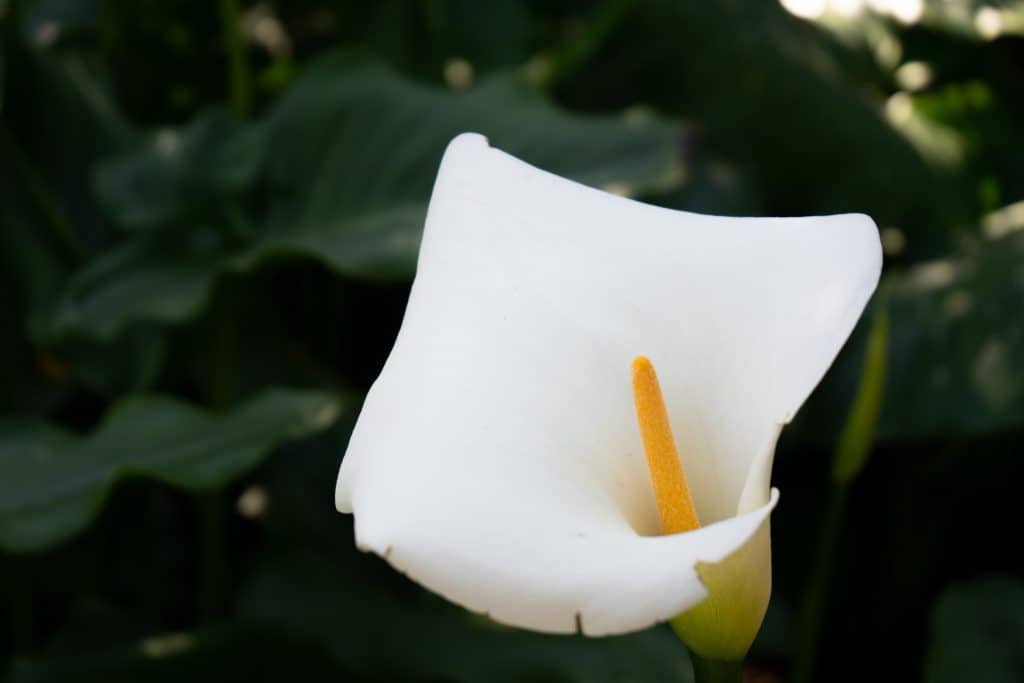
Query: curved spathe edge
(861, 243)
(836, 320)
(665, 590)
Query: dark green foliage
(978, 633)
(54, 483)
(958, 359)
(350, 153)
(181, 175)
(316, 598)
(956, 349)
(197, 285)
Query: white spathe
(497, 459)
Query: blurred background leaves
(978, 632)
(209, 217)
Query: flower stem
(238, 68)
(852, 452)
(815, 601)
(591, 38)
(714, 671)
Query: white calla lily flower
(498, 459)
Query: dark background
(209, 214)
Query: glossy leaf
(957, 355)
(956, 350)
(52, 484)
(154, 280)
(352, 153)
(351, 157)
(179, 174)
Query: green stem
(63, 236)
(815, 603)
(852, 452)
(713, 671)
(589, 41)
(238, 68)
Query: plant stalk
(239, 84)
(815, 601)
(852, 453)
(593, 36)
(713, 671)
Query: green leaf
(380, 246)
(353, 151)
(363, 627)
(52, 484)
(177, 174)
(350, 162)
(977, 633)
(858, 433)
(957, 350)
(29, 441)
(158, 280)
(955, 364)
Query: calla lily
(519, 455)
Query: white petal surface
(497, 460)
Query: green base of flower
(712, 671)
(723, 626)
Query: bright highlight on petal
(671, 494)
